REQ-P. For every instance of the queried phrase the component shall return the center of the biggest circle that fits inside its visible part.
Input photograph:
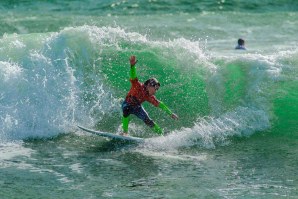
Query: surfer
(241, 45)
(139, 93)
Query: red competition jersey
(138, 94)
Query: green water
(67, 63)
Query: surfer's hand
(133, 60)
(174, 116)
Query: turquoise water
(64, 63)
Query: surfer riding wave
(138, 94)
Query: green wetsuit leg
(125, 122)
(157, 129)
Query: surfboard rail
(112, 135)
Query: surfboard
(112, 136)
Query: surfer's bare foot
(124, 134)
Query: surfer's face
(152, 89)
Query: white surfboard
(113, 136)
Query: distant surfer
(241, 45)
(139, 93)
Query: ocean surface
(66, 63)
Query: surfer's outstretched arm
(167, 110)
(133, 70)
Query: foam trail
(209, 132)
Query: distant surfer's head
(241, 42)
(152, 85)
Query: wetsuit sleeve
(133, 72)
(164, 108)
(152, 99)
